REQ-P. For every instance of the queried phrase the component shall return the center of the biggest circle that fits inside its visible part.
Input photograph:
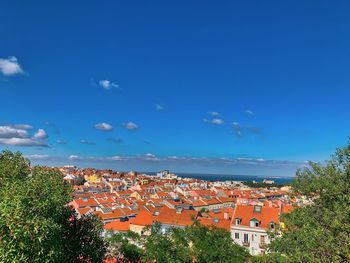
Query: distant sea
(227, 177)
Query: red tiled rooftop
(117, 225)
(246, 213)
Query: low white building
(250, 226)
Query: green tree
(36, 225)
(13, 166)
(172, 246)
(320, 232)
(214, 245)
(192, 244)
(125, 245)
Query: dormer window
(254, 222)
(238, 221)
(272, 225)
(257, 209)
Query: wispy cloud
(117, 158)
(87, 142)
(237, 128)
(115, 140)
(103, 126)
(21, 126)
(52, 125)
(10, 66)
(74, 158)
(61, 142)
(150, 157)
(107, 84)
(244, 130)
(131, 126)
(249, 112)
(214, 113)
(18, 135)
(159, 107)
(255, 164)
(216, 121)
(37, 157)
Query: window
(272, 225)
(254, 223)
(245, 238)
(236, 235)
(238, 221)
(257, 209)
(262, 240)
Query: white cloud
(150, 157)
(9, 66)
(61, 142)
(103, 126)
(22, 142)
(21, 126)
(131, 126)
(40, 134)
(86, 142)
(117, 158)
(9, 131)
(249, 112)
(245, 130)
(74, 157)
(107, 84)
(18, 135)
(214, 113)
(37, 156)
(159, 107)
(217, 121)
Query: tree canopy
(320, 232)
(36, 225)
(192, 244)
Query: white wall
(254, 235)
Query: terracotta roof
(220, 223)
(85, 202)
(117, 225)
(287, 209)
(172, 217)
(114, 215)
(143, 218)
(83, 211)
(246, 213)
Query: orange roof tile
(117, 225)
(172, 217)
(266, 216)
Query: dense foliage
(320, 232)
(36, 225)
(192, 244)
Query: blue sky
(227, 87)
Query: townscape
(131, 201)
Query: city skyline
(204, 87)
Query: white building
(250, 226)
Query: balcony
(246, 243)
